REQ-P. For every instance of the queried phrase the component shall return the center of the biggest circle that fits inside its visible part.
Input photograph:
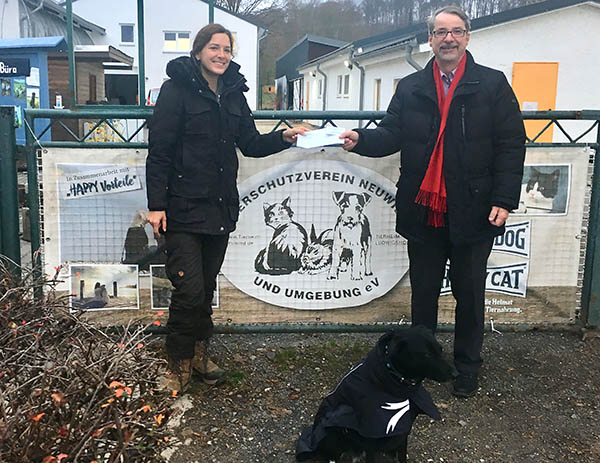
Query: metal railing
(9, 228)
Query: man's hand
(498, 216)
(290, 135)
(350, 139)
(158, 220)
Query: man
(459, 129)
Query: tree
(246, 7)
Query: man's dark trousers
(467, 273)
(193, 262)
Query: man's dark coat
(192, 164)
(369, 400)
(483, 149)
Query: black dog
(373, 407)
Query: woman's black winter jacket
(191, 170)
(484, 150)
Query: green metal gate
(9, 225)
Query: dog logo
(351, 236)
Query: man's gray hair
(450, 10)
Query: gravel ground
(539, 400)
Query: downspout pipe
(409, 58)
(262, 34)
(324, 96)
(361, 97)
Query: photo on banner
(545, 189)
(102, 215)
(104, 287)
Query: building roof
(78, 21)
(315, 39)
(107, 53)
(34, 42)
(418, 33)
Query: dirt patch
(539, 400)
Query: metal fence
(40, 121)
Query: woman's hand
(158, 220)
(290, 135)
(350, 138)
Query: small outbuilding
(289, 82)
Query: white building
(544, 49)
(44, 18)
(169, 30)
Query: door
(535, 87)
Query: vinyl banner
(315, 241)
(316, 235)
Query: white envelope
(321, 137)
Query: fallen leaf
(140, 345)
(159, 313)
(156, 322)
(38, 417)
(49, 459)
(145, 408)
(174, 393)
(58, 398)
(159, 418)
(114, 384)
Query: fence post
(9, 200)
(33, 199)
(590, 296)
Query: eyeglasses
(442, 33)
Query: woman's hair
(205, 34)
(97, 285)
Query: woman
(100, 299)
(201, 115)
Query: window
(177, 41)
(92, 84)
(396, 84)
(320, 88)
(343, 85)
(377, 94)
(126, 33)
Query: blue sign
(14, 67)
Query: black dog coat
(370, 400)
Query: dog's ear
(364, 199)
(338, 196)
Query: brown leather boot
(177, 377)
(203, 367)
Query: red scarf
(432, 193)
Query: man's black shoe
(465, 385)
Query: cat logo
(344, 248)
(327, 240)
